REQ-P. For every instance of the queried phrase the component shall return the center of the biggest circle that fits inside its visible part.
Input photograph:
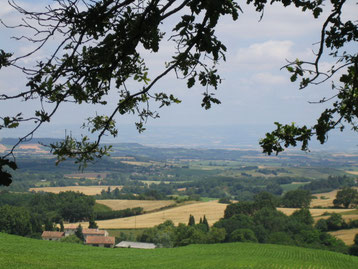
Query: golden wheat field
(88, 190)
(327, 200)
(212, 210)
(315, 212)
(347, 218)
(146, 204)
(138, 163)
(352, 172)
(347, 236)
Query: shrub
(72, 239)
(243, 235)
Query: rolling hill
(20, 253)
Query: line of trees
(128, 212)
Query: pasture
(147, 205)
(88, 190)
(25, 253)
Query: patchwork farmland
(180, 214)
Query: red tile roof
(71, 226)
(100, 240)
(51, 234)
(93, 231)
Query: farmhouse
(129, 244)
(52, 236)
(100, 241)
(70, 229)
(94, 232)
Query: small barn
(100, 241)
(129, 244)
(52, 236)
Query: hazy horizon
(215, 136)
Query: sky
(254, 91)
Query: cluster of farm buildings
(94, 237)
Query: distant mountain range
(238, 136)
(12, 141)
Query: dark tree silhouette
(79, 233)
(191, 220)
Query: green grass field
(17, 252)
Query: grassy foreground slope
(17, 252)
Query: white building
(129, 244)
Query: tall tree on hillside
(205, 222)
(191, 220)
(99, 50)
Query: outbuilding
(52, 236)
(129, 244)
(100, 241)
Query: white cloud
(5, 8)
(269, 55)
(268, 78)
(267, 51)
(277, 23)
